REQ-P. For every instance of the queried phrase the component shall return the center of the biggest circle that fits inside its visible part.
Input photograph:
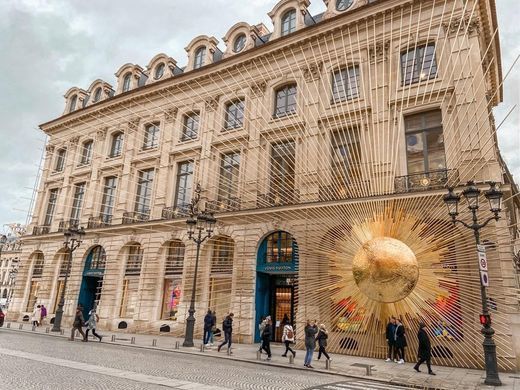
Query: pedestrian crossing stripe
(360, 385)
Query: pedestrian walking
(266, 337)
(390, 339)
(261, 327)
(208, 327)
(36, 316)
(214, 329)
(424, 352)
(79, 322)
(227, 328)
(322, 337)
(310, 342)
(288, 338)
(91, 325)
(400, 341)
(43, 313)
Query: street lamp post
(200, 227)
(73, 237)
(494, 196)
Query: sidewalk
(447, 378)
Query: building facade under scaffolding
(329, 134)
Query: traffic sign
(482, 261)
(481, 248)
(484, 278)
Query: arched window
(159, 71)
(134, 259)
(36, 279)
(97, 95)
(98, 258)
(285, 101)
(117, 144)
(200, 56)
(289, 22)
(126, 82)
(280, 248)
(173, 266)
(240, 43)
(73, 101)
(342, 5)
(223, 249)
(86, 153)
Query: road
(32, 361)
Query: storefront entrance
(92, 283)
(276, 282)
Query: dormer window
(126, 82)
(343, 5)
(240, 43)
(73, 102)
(97, 95)
(159, 71)
(289, 22)
(200, 56)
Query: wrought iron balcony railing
(67, 224)
(425, 181)
(134, 217)
(272, 199)
(224, 204)
(41, 230)
(179, 211)
(99, 222)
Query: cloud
(49, 46)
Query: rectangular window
(51, 206)
(60, 160)
(418, 64)
(345, 84)
(117, 145)
(143, 198)
(184, 184)
(151, 136)
(77, 203)
(59, 289)
(285, 101)
(424, 142)
(86, 153)
(220, 294)
(346, 157)
(129, 298)
(282, 171)
(228, 181)
(190, 126)
(171, 297)
(234, 115)
(174, 258)
(107, 203)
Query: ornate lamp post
(73, 237)
(494, 196)
(200, 227)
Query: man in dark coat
(266, 337)
(390, 331)
(227, 328)
(425, 349)
(400, 340)
(79, 322)
(208, 326)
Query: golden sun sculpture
(385, 269)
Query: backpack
(290, 333)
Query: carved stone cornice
(49, 148)
(171, 114)
(258, 89)
(133, 124)
(211, 103)
(312, 71)
(378, 52)
(460, 25)
(74, 141)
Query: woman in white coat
(288, 338)
(36, 316)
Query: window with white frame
(190, 126)
(418, 64)
(151, 136)
(345, 84)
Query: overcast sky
(46, 47)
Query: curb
(242, 360)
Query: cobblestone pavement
(30, 361)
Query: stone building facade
(300, 139)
